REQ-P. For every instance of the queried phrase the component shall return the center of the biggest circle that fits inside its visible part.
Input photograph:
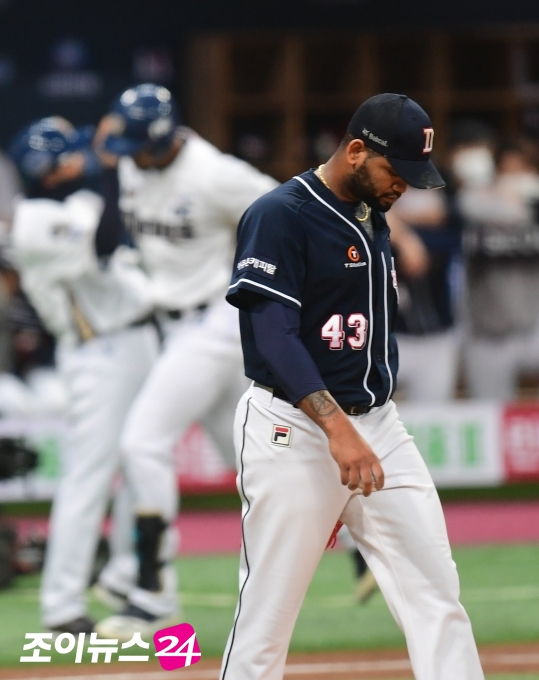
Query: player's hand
(359, 465)
(108, 125)
(414, 259)
(69, 170)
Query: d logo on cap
(398, 128)
(429, 139)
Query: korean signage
(459, 441)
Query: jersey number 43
(333, 331)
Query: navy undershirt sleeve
(276, 333)
(110, 231)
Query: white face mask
(474, 167)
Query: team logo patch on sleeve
(281, 435)
(260, 265)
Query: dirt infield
(520, 658)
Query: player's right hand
(107, 125)
(360, 467)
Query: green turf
(526, 676)
(500, 589)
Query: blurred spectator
(70, 77)
(471, 161)
(153, 65)
(501, 243)
(10, 186)
(324, 145)
(7, 70)
(7, 285)
(426, 245)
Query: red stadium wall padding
(199, 466)
(520, 442)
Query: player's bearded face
(376, 183)
(156, 157)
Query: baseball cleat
(366, 587)
(82, 624)
(109, 597)
(133, 620)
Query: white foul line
(347, 667)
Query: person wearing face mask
(471, 155)
(501, 246)
(426, 243)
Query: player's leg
(102, 377)
(292, 498)
(402, 534)
(198, 362)
(218, 421)
(366, 584)
(119, 574)
(199, 358)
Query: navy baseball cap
(146, 117)
(398, 128)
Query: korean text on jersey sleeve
(269, 258)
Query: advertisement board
(520, 441)
(459, 441)
(47, 437)
(199, 466)
(464, 443)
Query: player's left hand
(70, 169)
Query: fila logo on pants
(281, 435)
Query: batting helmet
(146, 117)
(37, 149)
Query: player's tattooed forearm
(322, 403)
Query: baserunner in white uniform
(98, 309)
(181, 201)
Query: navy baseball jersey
(302, 246)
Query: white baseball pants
(102, 377)
(120, 572)
(292, 499)
(198, 377)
